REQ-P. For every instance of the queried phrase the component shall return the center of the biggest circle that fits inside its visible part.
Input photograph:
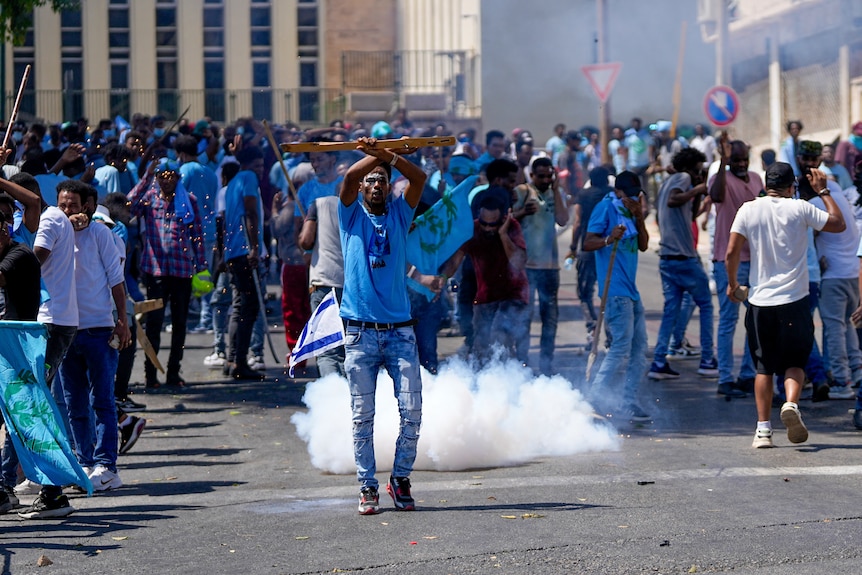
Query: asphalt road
(220, 482)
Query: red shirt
(496, 278)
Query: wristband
(823, 192)
(394, 159)
(410, 272)
(608, 241)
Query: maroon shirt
(496, 279)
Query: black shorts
(780, 337)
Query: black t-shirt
(588, 198)
(22, 271)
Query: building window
(307, 16)
(118, 57)
(213, 31)
(166, 58)
(71, 62)
(261, 58)
(21, 57)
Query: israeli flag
(324, 331)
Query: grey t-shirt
(675, 223)
(327, 262)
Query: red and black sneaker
(399, 489)
(369, 501)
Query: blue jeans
(366, 351)
(838, 299)
(728, 315)
(686, 309)
(87, 375)
(586, 266)
(220, 303)
(815, 369)
(331, 360)
(624, 319)
(677, 278)
(504, 323)
(547, 284)
(428, 316)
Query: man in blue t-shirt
(243, 250)
(376, 313)
(618, 219)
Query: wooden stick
(175, 124)
(275, 148)
(597, 331)
(14, 117)
(344, 146)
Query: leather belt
(676, 258)
(377, 325)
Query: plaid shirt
(171, 248)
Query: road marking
(468, 484)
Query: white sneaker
(762, 438)
(28, 487)
(104, 479)
(842, 391)
(215, 360)
(792, 420)
(256, 363)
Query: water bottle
(569, 263)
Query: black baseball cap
(629, 183)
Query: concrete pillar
(190, 55)
(49, 73)
(776, 100)
(143, 81)
(97, 71)
(237, 58)
(844, 90)
(285, 64)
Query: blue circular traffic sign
(721, 105)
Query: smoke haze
(499, 416)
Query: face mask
(18, 137)
(109, 133)
(158, 132)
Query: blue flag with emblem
(440, 232)
(324, 331)
(32, 418)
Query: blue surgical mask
(109, 133)
(18, 137)
(158, 132)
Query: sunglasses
(376, 179)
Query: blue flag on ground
(324, 331)
(32, 418)
(439, 232)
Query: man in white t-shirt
(778, 321)
(839, 283)
(88, 370)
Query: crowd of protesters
(198, 215)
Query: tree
(15, 15)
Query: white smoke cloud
(498, 416)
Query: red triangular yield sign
(602, 77)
